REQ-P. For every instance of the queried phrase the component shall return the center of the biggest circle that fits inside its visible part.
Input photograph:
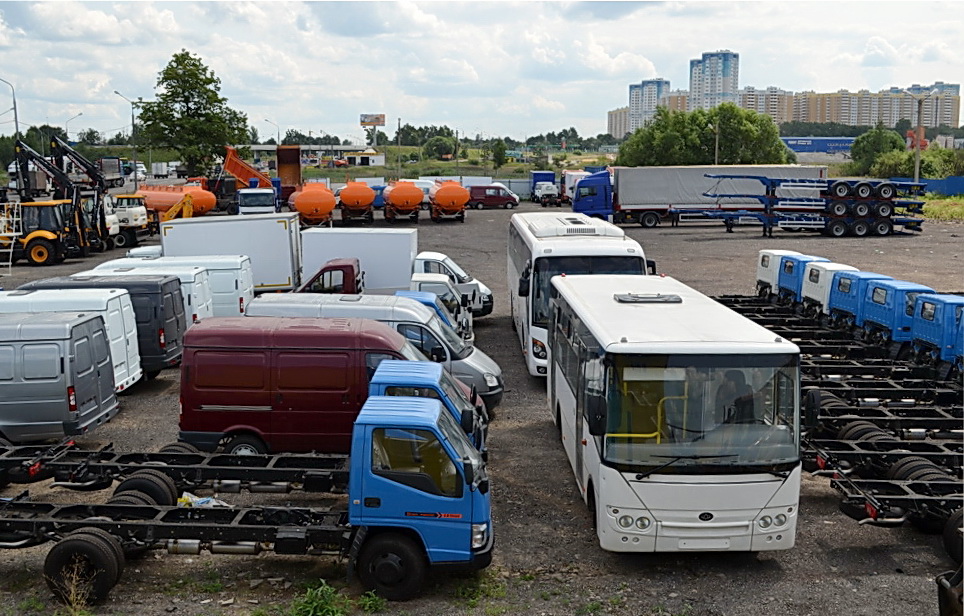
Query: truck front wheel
(393, 566)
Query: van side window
(415, 458)
(421, 338)
(373, 359)
(42, 361)
(101, 348)
(6, 362)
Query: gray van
(423, 328)
(158, 310)
(55, 374)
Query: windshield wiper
(675, 459)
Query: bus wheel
(393, 566)
(41, 252)
(649, 220)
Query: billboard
(373, 119)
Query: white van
(417, 322)
(230, 277)
(113, 305)
(195, 286)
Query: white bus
(542, 245)
(680, 417)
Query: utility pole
(133, 135)
(16, 124)
(919, 133)
(398, 146)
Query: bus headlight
(780, 519)
(538, 349)
(765, 522)
(479, 534)
(625, 521)
(643, 523)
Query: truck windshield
(458, 271)
(547, 267)
(256, 199)
(451, 339)
(713, 412)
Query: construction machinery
(33, 230)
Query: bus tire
(393, 566)
(81, 564)
(952, 535)
(649, 220)
(591, 505)
(153, 483)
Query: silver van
(55, 375)
(418, 323)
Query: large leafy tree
(439, 147)
(498, 153)
(189, 114)
(870, 145)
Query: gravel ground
(547, 561)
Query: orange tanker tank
(402, 199)
(448, 199)
(356, 202)
(163, 198)
(314, 202)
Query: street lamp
(278, 128)
(67, 124)
(16, 123)
(919, 133)
(133, 133)
(716, 145)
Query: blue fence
(949, 187)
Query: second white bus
(680, 417)
(544, 244)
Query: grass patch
(483, 586)
(946, 208)
(370, 603)
(321, 600)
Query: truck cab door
(412, 480)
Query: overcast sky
(495, 68)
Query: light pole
(716, 144)
(277, 128)
(67, 124)
(919, 133)
(16, 123)
(133, 134)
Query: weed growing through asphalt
(321, 600)
(31, 605)
(482, 586)
(370, 603)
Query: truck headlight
(480, 533)
(538, 349)
(491, 380)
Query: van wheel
(41, 252)
(477, 205)
(153, 483)
(393, 566)
(245, 445)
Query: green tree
(89, 137)
(498, 153)
(189, 114)
(870, 145)
(253, 137)
(439, 147)
(895, 163)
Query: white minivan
(113, 305)
(230, 277)
(195, 286)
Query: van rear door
(104, 372)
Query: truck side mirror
(596, 415)
(524, 286)
(465, 301)
(467, 421)
(469, 470)
(651, 266)
(437, 354)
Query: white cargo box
(385, 255)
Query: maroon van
(491, 196)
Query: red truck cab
(336, 276)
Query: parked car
(491, 196)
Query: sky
(490, 68)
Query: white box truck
(385, 255)
(272, 241)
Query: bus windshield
(704, 413)
(547, 267)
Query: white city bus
(680, 417)
(542, 245)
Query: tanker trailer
(448, 201)
(161, 198)
(356, 202)
(402, 199)
(314, 203)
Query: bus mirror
(651, 266)
(469, 471)
(524, 287)
(467, 421)
(811, 408)
(596, 415)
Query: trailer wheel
(855, 429)
(883, 210)
(393, 566)
(179, 447)
(886, 191)
(649, 220)
(861, 210)
(80, 569)
(836, 228)
(840, 190)
(245, 445)
(153, 483)
(41, 252)
(863, 190)
(112, 541)
(883, 227)
(860, 228)
(837, 208)
(952, 536)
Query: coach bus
(542, 245)
(680, 418)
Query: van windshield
(451, 339)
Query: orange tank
(314, 202)
(163, 198)
(357, 196)
(404, 197)
(449, 197)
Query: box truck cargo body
(385, 255)
(56, 375)
(271, 241)
(113, 305)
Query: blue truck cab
(418, 496)
(847, 297)
(790, 278)
(594, 196)
(937, 329)
(425, 379)
(889, 309)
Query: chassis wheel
(836, 228)
(838, 208)
(649, 220)
(393, 566)
(883, 210)
(110, 540)
(245, 445)
(883, 227)
(860, 228)
(82, 565)
(179, 448)
(41, 252)
(886, 191)
(861, 210)
(863, 190)
(952, 535)
(153, 483)
(840, 190)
